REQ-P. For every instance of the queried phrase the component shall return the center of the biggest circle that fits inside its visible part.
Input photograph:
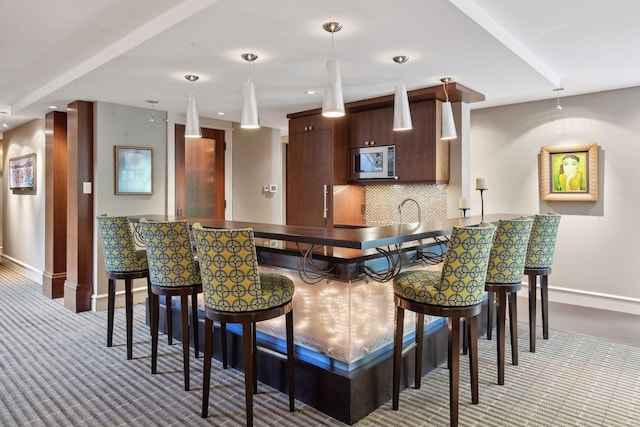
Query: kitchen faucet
(417, 205)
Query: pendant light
(4, 123)
(333, 104)
(557, 91)
(153, 116)
(249, 104)
(401, 110)
(192, 128)
(448, 130)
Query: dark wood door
(309, 170)
(199, 174)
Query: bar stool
(173, 272)
(122, 262)
(455, 292)
(504, 279)
(235, 292)
(542, 243)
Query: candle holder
(481, 190)
(464, 212)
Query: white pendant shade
(401, 111)
(249, 107)
(333, 104)
(448, 124)
(192, 128)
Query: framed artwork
(569, 173)
(22, 172)
(133, 170)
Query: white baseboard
(100, 302)
(591, 299)
(22, 268)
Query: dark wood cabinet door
(371, 127)
(309, 170)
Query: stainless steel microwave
(373, 162)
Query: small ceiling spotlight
(153, 116)
(557, 91)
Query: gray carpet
(57, 371)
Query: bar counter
(343, 306)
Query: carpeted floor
(57, 371)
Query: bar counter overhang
(343, 318)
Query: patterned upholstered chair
(455, 292)
(172, 272)
(540, 252)
(235, 292)
(122, 261)
(504, 279)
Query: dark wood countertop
(358, 238)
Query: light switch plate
(273, 188)
(86, 188)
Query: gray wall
(596, 252)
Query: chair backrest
(170, 254)
(465, 266)
(120, 254)
(542, 242)
(229, 269)
(509, 251)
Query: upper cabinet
(371, 127)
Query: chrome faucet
(417, 205)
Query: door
(199, 174)
(309, 170)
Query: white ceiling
(128, 52)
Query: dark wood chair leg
(247, 347)
(397, 354)
(223, 336)
(111, 302)
(544, 296)
(169, 322)
(513, 324)
(194, 321)
(184, 315)
(490, 306)
(254, 354)
(290, 361)
(128, 302)
(419, 344)
(465, 336)
(473, 358)
(454, 371)
(532, 312)
(206, 373)
(155, 314)
(501, 302)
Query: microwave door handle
(325, 210)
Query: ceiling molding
(480, 17)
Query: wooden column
(79, 284)
(55, 227)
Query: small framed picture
(133, 170)
(569, 173)
(22, 172)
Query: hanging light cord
(446, 94)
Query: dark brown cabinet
(421, 156)
(316, 161)
(371, 127)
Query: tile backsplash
(383, 201)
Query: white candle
(463, 203)
(481, 184)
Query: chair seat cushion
(275, 289)
(424, 286)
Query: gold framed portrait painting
(569, 173)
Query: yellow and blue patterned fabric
(542, 242)
(509, 251)
(170, 254)
(229, 268)
(461, 281)
(120, 253)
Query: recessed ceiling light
(310, 92)
(53, 107)
(220, 113)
